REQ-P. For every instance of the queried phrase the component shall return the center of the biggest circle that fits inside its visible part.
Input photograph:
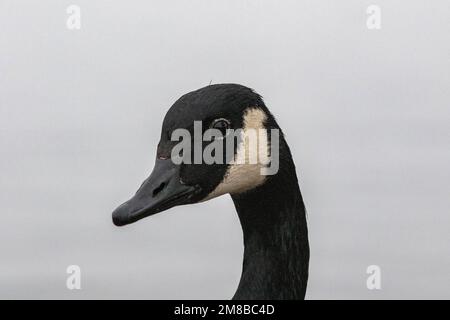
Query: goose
(270, 207)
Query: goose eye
(222, 125)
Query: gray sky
(366, 113)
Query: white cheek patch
(251, 158)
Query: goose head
(220, 114)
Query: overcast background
(366, 113)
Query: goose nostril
(159, 189)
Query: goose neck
(276, 249)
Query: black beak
(161, 191)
